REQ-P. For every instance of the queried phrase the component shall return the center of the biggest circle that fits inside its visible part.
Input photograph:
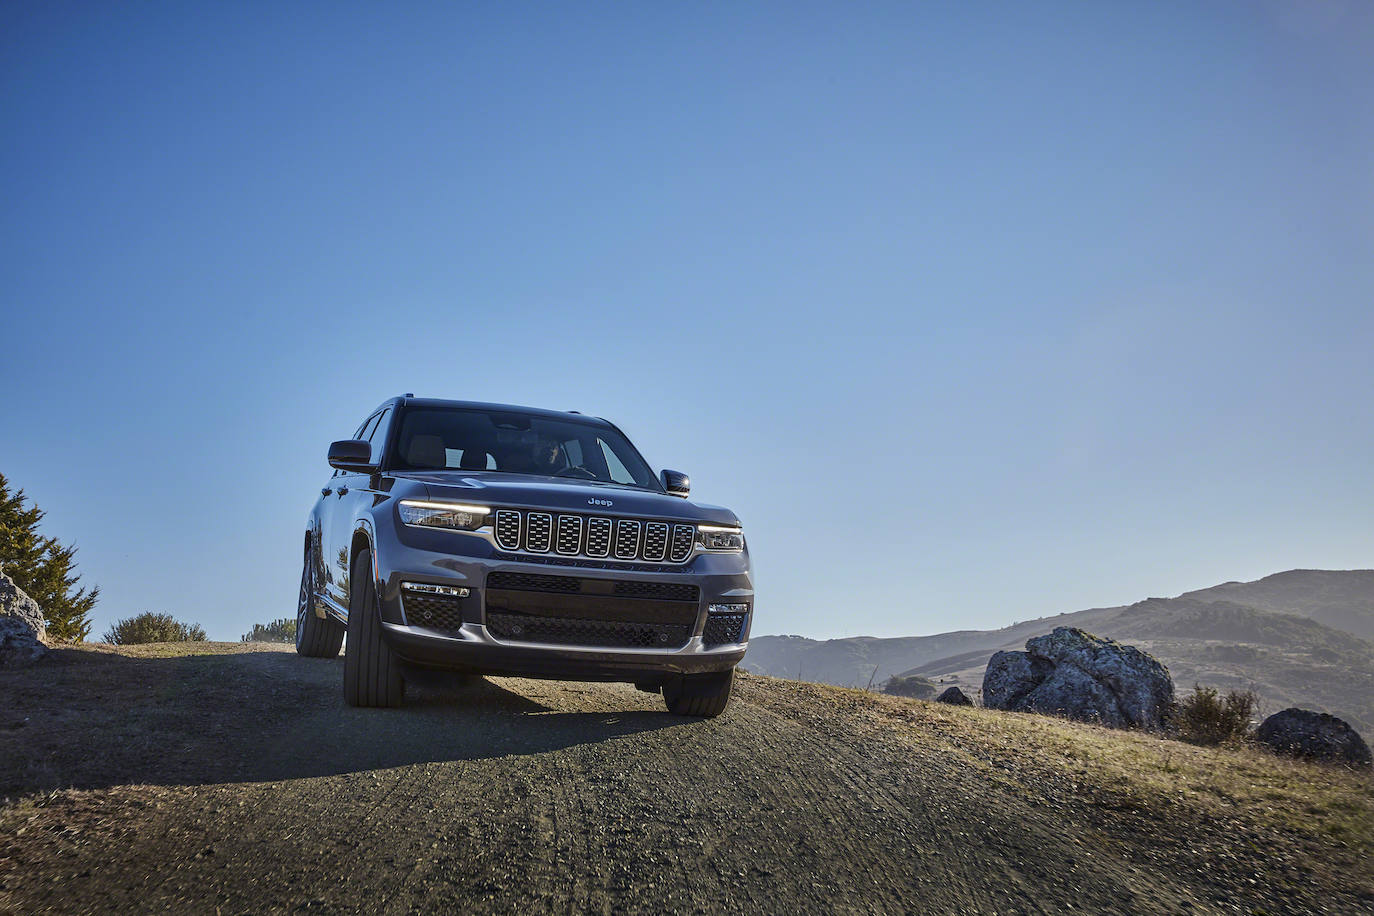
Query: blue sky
(973, 313)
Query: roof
(502, 408)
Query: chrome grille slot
(655, 540)
(598, 537)
(538, 531)
(569, 533)
(508, 529)
(626, 539)
(683, 536)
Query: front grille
(438, 612)
(594, 537)
(575, 632)
(723, 628)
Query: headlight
(715, 537)
(457, 516)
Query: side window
(377, 434)
(614, 465)
(365, 432)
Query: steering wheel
(577, 471)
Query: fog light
(728, 609)
(427, 589)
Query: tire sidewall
(304, 602)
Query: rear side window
(376, 434)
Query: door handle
(343, 490)
(326, 491)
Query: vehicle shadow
(481, 720)
(94, 719)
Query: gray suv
(489, 539)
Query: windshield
(442, 438)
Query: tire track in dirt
(529, 796)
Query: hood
(502, 489)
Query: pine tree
(43, 568)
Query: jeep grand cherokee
(490, 539)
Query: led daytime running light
(448, 507)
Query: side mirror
(675, 482)
(351, 455)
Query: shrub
(150, 627)
(913, 686)
(43, 568)
(1207, 717)
(283, 630)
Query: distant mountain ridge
(1297, 638)
(1343, 600)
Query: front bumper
(474, 649)
(455, 559)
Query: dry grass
(181, 649)
(1307, 818)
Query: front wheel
(702, 695)
(316, 637)
(372, 675)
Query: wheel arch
(364, 538)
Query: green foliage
(912, 686)
(283, 630)
(150, 627)
(43, 568)
(1206, 717)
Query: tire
(372, 675)
(316, 637)
(704, 695)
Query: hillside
(1293, 658)
(1343, 600)
(232, 778)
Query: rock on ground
(1073, 673)
(1305, 733)
(954, 696)
(22, 626)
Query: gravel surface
(536, 796)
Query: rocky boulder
(955, 697)
(1317, 735)
(22, 627)
(1073, 673)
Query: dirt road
(528, 796)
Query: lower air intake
(722, 629)
(567, 631)
(436, 612)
